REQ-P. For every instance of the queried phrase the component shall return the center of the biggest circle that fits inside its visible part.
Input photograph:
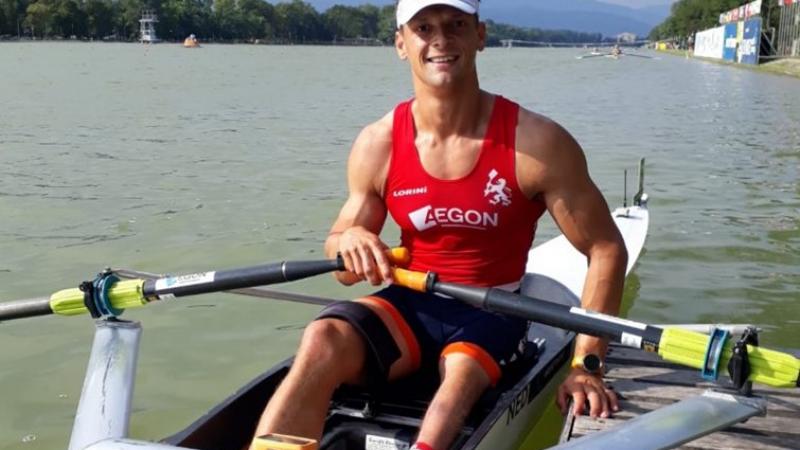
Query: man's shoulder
(538, 133)
(547, 155)
(380, 129)
(372, 149)
(531, 122)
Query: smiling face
(440, 43)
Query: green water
(166, 160)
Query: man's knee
(378, 348)
(332, 342)
(463, 382)
(470, 362)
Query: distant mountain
(577, 15)
(322, 5)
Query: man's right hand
(364, 256)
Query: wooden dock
(644, 382)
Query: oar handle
(399, 256)
(418, 281)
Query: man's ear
(400, 45)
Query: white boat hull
(559, 260)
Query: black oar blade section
(548, 313)
(25, 308)
(557, 315)
(296, 270)
(223, 280)
(471, 295)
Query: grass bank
(786, 66)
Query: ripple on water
(730, 254)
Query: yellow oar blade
(768, 367)
(123, 295)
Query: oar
(639, 56)
(257, 291)
(113, 295)
(592, 56)
(673, 344)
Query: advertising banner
(751, 42)
(731, 42)
(743, 12)
(710, 43)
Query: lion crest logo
(497, 190)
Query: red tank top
(475, 230)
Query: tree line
(226, 21)
(690, 16)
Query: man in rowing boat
(466, 175)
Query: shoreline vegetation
(689, 16)
(358, 42)
(232, 21)
(783, 66)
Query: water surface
(164, 159)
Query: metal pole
(796, 42)
(786, 32)
(105, 405)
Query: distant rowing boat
(613, 55)
(191, 42)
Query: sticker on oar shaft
(630, 340)
(173, 283)
(608, 318)
(627, 332)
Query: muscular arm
(354, 234)
(551, 164)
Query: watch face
(592, 363)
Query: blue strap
(716, 343)
(95, 295)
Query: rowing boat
(388, 419)
(360, 419)
(502, 418)
(612, 55)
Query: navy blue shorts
(442, 325)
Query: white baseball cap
(406, 9)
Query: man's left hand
(582, 386)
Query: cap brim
(404, 14)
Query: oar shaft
(626, 332)
(675, 345)
(25, 308)
(224, 280)
(135, 293)
(115, 295)
(257, 291)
